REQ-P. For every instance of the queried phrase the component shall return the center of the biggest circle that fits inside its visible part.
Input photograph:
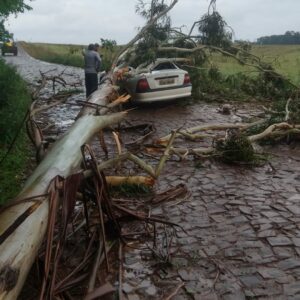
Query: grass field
(284, 58)
(69, 55)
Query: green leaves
(8, 7)
(213, 30)
(4, 34)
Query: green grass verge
(14, 103)
(13, 168)
(69, 55)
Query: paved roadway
(242, 224)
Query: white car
(162, 80)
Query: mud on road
(242, 225)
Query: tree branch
(143, 30)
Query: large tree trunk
(23, 226)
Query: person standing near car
(92, 64)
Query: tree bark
(23, 225)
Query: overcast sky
(86, 21)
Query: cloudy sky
(86, 21)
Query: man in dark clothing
(92, 63)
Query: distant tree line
(289, 38)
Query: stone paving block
(266, 251)
(243, 270)
(286, 214)
(232, 213)
(251, 281)
(289, 264)
(201, 286)
(232, 252)
(238, 220)
(250, 244)
(256, 198)
(279, 220)
(230, 237)
(204, 224)
(206, 296)
(243, 227)
(236, 202)
(278, 207)
(295, 273)
(224, 286)
(249, 294)
(290, 227)
(260, 221)
(267, 233)
(249, 234)
(295, 220)
(187, 274)
(268, 291)
(270, 273)
(180, 262)
(211, 250)
(283, 252)
(280, 241)
(213, 209)
(254, 256)
(218, 218)
(223, 243)
(285, 279)
(237, 295)
(187, 241)
(292, 289)
(295, 198)
(181, 297)
(270, 214)
(294, 209)
(267, 226)
(246, 210)
(296, 241)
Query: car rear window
(164, 66)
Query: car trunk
(165, 79)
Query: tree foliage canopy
(158, 33)
(8, 7)
(4, 34)
(213, 30)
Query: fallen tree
(23, 224)
(233, 139)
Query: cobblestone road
(242, 224)
(242, 237)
